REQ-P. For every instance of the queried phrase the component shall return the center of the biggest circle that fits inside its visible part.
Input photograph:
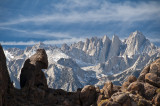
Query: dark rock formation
(138, 87)
(5, 81)
(119, 97)
(149, 91)
(152, 79)
(88, 95)
(129, 81)
(31, 73)
(132, 79)
(141, 77)
(125, 84)
(156, 100)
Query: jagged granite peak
(40, 45)
(115, 38)
(78, 45)
(105, 49)
(105, 38)
(95, 47)
(94, 39)
(136, 38)
(67, 74)
(67, 62)
(94, 60)
(137, 43)
(64, 47)
(15, 51)
(115, 47)
(137, 33)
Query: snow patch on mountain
(93, 61)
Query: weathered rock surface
(129, 81)
(108, 89)
(88, 95)
(141, 77)
(150, 91)
(152, 79)
(119, 97)
(5, 81)
(156, 100)
(132, 79)
(137, 87)
(31, 73)
(125, 84)
(155, 68)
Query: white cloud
(154, 40)
(100, 12)
(19, 43)
(39, 33)
(49, 42)
(67, 41)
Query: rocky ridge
(88, 62)
(144, 91)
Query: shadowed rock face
(5, 81)
(31, 73)
(88, 95)
(3, 70)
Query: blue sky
(26, 22)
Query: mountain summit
(93, 61)
(137, 44)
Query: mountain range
(89, 62)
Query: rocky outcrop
(31, 73)
(152, 79)
(129, 81)
(108, 89)
(156, 100)
(119, 97)
(88, 95)
(5, 82)
(144, 91)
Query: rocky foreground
(144, 91)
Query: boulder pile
(141, 91)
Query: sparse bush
(102, 101)
(158, 90)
